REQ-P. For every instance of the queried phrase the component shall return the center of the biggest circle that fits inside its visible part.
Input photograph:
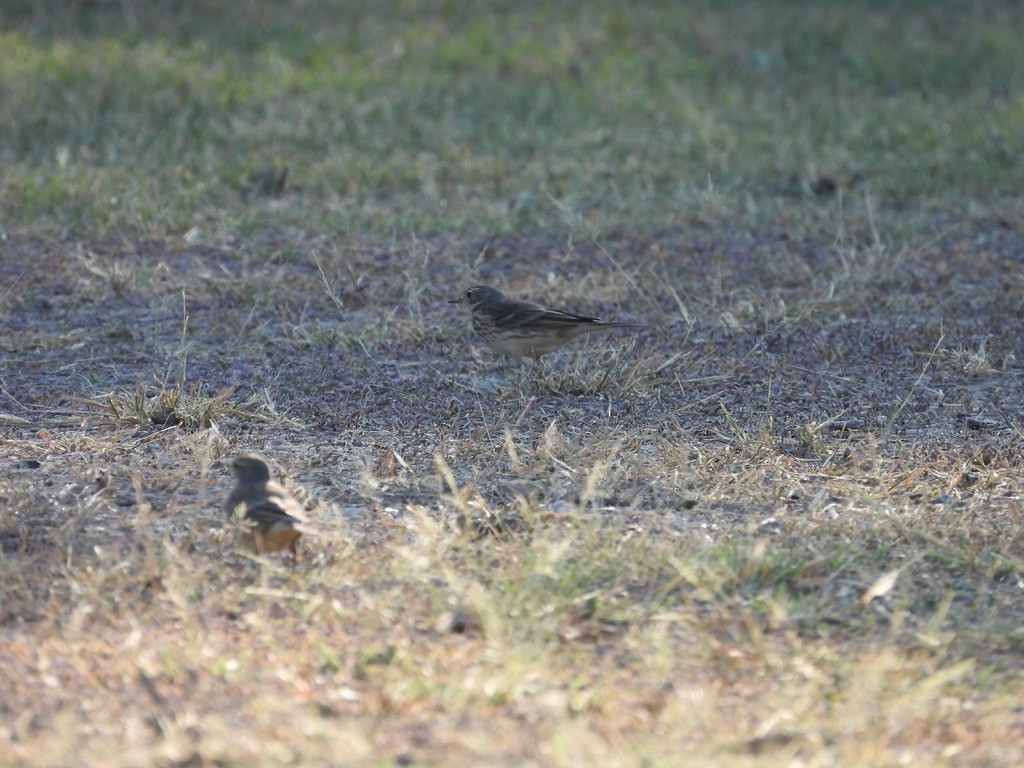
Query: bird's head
(250, 467)
(477, 295)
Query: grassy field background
(779, 524)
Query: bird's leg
(538, 367)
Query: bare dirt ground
(783, 335)
(817, 351)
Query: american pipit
(522, 328)
(272, 519)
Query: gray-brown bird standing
(522, 328)
(272, 520)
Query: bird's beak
(455, 301)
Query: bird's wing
(266, 512)
(283, 501)
(273, 505)
(520, 313)
(270, 516)
(556, 317)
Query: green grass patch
(483, 118)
